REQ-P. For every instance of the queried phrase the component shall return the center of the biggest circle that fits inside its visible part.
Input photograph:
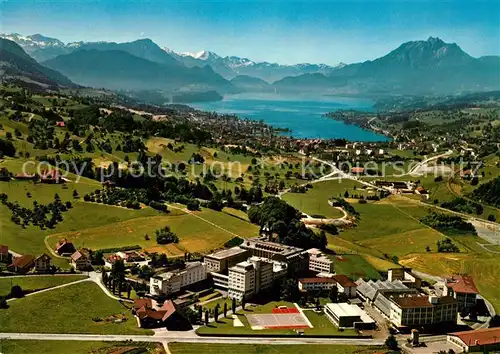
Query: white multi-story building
(316, 284)
(175, 281)
(415, 310)
(241, 282)
(221, 261)
(318, 262)
(250, 277)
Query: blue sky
(277, 31)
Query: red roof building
(358, 170)
(65, 247)
(22, 264)
(345, 285)
(480, 340)
(166, 316)
(462, 288)
(4, 253)
(50, 176)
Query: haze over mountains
(416, 67)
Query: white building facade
(175, 281)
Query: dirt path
(205, 220)
(52, 288)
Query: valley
(155, 200)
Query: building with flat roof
(406, 307)
(479, 340)
(406, 276)
(318, 262)
(463, 289)
(174, 281)
(221, 261)
(345, 315)
(418, 310)
(250, 277)
(316, 284)
(295, 257)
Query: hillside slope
(17, 66)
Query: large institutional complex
(405, 306)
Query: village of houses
(404, 304)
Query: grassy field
(74, 347)
(315, 200)
(355, 266)
(83, 215)
(392, 226)
(69, 310)
(322, 326)
(210, 306)
(192, 348)
(195, 234)
(30, 283)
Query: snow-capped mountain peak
(201, 55)
(33, 41)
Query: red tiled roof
(357, 170)
(140, 303)
(4, 249)
(344, 280)
(462, 284)
(63, 242)
(482, 336)
(23, 261)
(79, 254)
(412, 301)
(50, 174)
(316, 280)
(167, 310)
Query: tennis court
(280, 319)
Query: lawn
(31, 283)
(73, 347)
(83, 215)
(197, 348)
(406, 242)
(225, 325)
(198, 232)
(69, 310)
(379, 219)
(355, 266)
(315, 200)
(210, 306)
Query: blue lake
(303, 115)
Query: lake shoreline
(304, 115)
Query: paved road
(187, 337)
(426, 161)
(97, 278)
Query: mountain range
(424, 67)
(17, 66)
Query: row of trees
(448, 223)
